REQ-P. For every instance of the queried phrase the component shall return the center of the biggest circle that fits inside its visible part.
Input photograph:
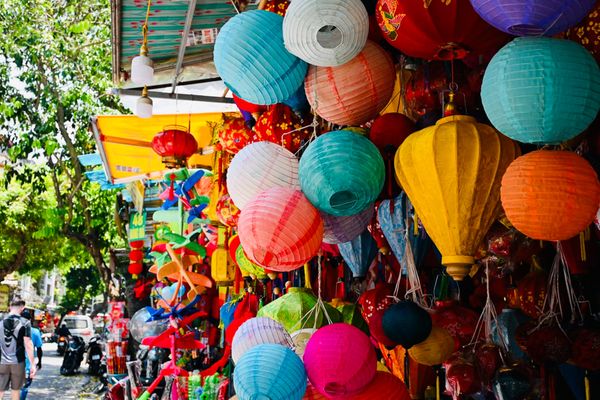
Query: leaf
(50, 147)
(80, 27)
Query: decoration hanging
(175, 144)
(343, 229)
(257, 331)
(359, 253)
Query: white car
(79, 325)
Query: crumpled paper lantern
(456, 195)
(359, 253)
(343, 229)
(353, 93)
(256, 331)
(280, 230)
(407, 324)
(281, 126)
(340, 360)
(434, 350)
(326, 33)
(260, 166)
(270, 371)
(251, 58)
(341, 173)
(383, 386)
(550, 195)
(541, 90)
(374, 302)
(227, 212)
(532, 17)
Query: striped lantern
(550, 195)
(340, 360)
(251, 58)
(343, 229)
(270, 371)
(532, 17)
(255, 331)
(541, 90)
(280, 230)
(353, 93)
(341, 173)
(326, 33)
(260, 166)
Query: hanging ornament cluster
(175, 144)
(142, 72)
(136, 257)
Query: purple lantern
(533, 17)
(343, 229)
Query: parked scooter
(61, 345)
(73, 356)
(95, 357)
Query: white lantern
(326, 33)
(260, 166)
(255, 331)
(143, 105)
(300, 338)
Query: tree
(54, 75)
(82, 284)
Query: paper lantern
(233, 134)
(511, 383)
(550, 195)
(251, 58)
(344, 229)
(459, 321)
(270, 371)
(407, 324)
(532, 17)
(326, 33)
(586, 32)
(487, 360)
(353, 93)
(541, 90)
(359, 253)
(280, 230)
(260, 166)
(373, 303)
(455, 193)
(388, 131)
(531, 292)
(175, 145)
(277, 6)
(434, 350)
(227, 212)
(462, 377)
(437, 29)
(586, 349)
(341, 173)
(383, 386)
(281, 126)
(547, 344)
(340, 360)
(257, 331)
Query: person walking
(36, 340)
(15, 345)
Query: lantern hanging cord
(144, 50)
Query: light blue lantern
(341, 173)
(541, 90)
(270, 371)
(359, 253)
(252, 60)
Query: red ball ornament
(388, 131)
(175, 145)
(135, 268)
(136, 256)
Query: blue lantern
(359, 253)
(341, 173)
(406, 323)
(270, 371)
(541, 90)
(252, 61)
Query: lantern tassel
(582, 245)
(586, 382)
(171, 191)
(307, 278)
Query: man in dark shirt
(63, 331)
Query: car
(80, 325)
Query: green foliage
(82, 284)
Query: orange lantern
(550, 195)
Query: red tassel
(172, 188)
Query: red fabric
(274, 126)
(373, 305)
(233, 134)
(247, 106)
(277, 6)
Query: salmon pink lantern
(355, 92)
(175, 144)
(280, 230)
(384, 386)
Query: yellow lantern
(452, 172)
(436, 349)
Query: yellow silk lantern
(452, 172)
(436, 349)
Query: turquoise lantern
(252, 60)
(341, 173)
(541, 90)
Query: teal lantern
(341, 173)
(252, 60)
(541, 90)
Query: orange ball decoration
(550, 195)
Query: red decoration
(531, 292)
(546, 344)
(135, 268)
(233, 134)
(175, 144)
(586, 349)
(277, 6)
(136, 256)
(247, 106)
(487, 358)
(390, 130)
(459, 321)
(436, 29)
(462, 376)
(275, 126)
(373, 304)
(227, 212)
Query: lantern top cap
(175, 127)
(453, 118)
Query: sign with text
(137, 226)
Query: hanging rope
(144, 49)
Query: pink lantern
(340, 360)
(280, 230)
(383, 386)
(355, 92)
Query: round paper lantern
(341, 173)
(388, 131)
(270, 371)
(343, 229)
(326, 33)
(550, 195)
(175, 145)
(437, 29)
(434, 350)
(340, 360)
(257, 331)
(260, 166)
(455, 194)
(353, 93)
(373, 303)
(532, 17)
(251, 58)
(383, 386)
(541, 90)
(407, 324)
(280, 230)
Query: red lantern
(459, 321)
(373, 304)
(531, 291)
(247, 106)
(436, 29)
(280, 125)
(233, 134)
(546, 344)
(462, 376)
(390, 130)
(277, 6)
(487, 358)
(586, 349)
(135, 268)
(136, 256)
(175, 144)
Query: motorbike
(95, 357)
(61, 344)
(73, 356)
